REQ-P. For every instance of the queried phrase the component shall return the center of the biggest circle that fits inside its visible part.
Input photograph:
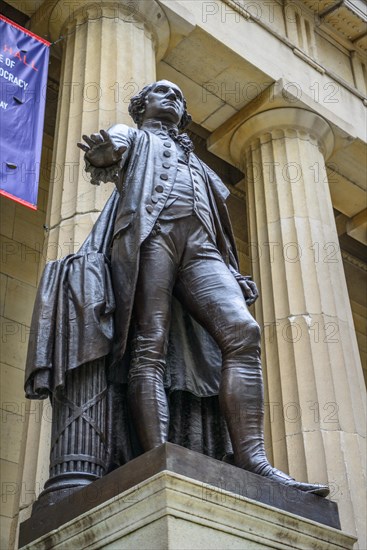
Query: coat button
(154, 199)
(159, 188)
(167, 144)
(166, 165)
(167, 153)
(164, 176)
(149, 208)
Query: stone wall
(22, 258)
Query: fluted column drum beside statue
(79, 429)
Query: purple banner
(23, 77)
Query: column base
(61, 487)
(175, 498)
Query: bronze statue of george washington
(179, 305)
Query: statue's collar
(155, 126)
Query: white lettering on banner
(3, 105)
(17, 81)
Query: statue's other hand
(249, 289)
(100, 150)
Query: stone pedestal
(173, 498)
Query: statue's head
(162, 101)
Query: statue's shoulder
(121, 130)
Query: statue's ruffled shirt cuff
(103, 174)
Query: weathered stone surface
(174, 498)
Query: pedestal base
(150, 504)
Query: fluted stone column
(316, 408)
(109, 54)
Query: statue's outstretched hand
(249, 289)
(100, 150)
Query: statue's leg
(212, 295)
(151, 318)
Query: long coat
(193, 360)
(147, 170)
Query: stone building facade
(277, 92)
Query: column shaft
(313, 371)
(106, 60)
(109, 52)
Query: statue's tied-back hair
(137, 108)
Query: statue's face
(165, 102)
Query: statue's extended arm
(105, 153)
(101, 150)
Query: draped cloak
(83, 307)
